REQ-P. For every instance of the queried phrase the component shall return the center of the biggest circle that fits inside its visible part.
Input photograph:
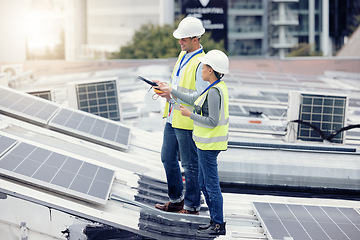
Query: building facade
(273, 28)
(96, 27)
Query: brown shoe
(170, 207)
(184, 211)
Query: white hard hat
(217, 60)
(189, 27)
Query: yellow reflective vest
(186, 85)
(213, 138)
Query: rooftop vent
(316, 117)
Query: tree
(152, 41)
(303, 49)
(352, 28)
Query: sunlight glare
(38, 31)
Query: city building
(94, 27)
(273, 28)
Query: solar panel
(302, 222)
(71, 122)
(327, 113)
(99, 98)
(26, 106)
(92, 128)
(56, 172)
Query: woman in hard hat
(211, 121)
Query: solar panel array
(305, 222)
(99, 98)
(71, 122)
(327, 113)
(54, 171)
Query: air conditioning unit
(96, 96)
(316, 117)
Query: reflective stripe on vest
(213, 138)
(186, 85)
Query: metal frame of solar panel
(72, 122)
(54, 171)
(307, 222)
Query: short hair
(218, 75)
(198, 37)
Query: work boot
(184, 211)
(170, 207)
(214, 229)
(205, 226)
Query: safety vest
(213, 138)
(186, 85)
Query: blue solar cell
(88, 170)
(81, 184)
(86, 124)
(104, 175)
(314, 230)
(295, 230)
(5, 144)
(333, 230)
(27, 168)
(10, 163)
(99, 189)
(63, 178)
(56, 160)
(39, 155)
(45, 173)
(278, 231)
(71, 165)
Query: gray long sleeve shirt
(210, 108)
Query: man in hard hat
(177, 140)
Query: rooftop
(258, 155)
